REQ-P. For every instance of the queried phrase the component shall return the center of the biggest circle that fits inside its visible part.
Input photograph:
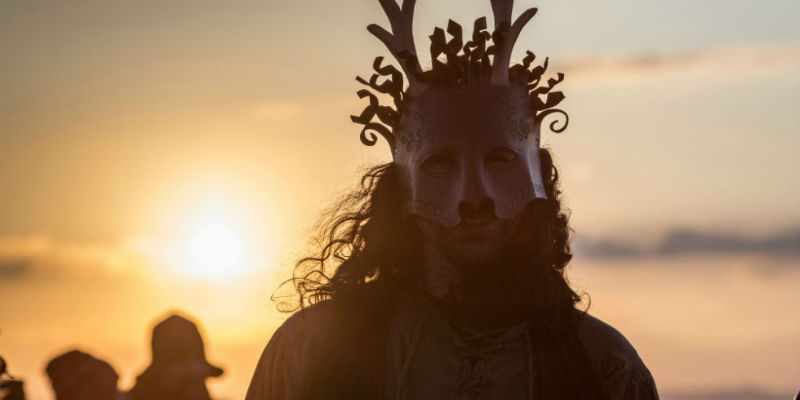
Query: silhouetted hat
(177, 341)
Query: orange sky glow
(139, 142)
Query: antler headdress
(487, 56)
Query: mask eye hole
(499, 157)
(439, 164)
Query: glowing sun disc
(214, 250)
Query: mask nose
(484, 209)
(475, 198)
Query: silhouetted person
(442, 275)
(10, 388)
(179, 369)
(76, 375)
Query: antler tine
(502, 10)
(400, 41)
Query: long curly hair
(365, 240)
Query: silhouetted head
(179, 368)
(467, 164)
(77, 375)
(176, 343)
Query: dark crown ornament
(486, 57)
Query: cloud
(18, 253)
(728, 61)
(32, 255)
(14, 269)
(23, 246)
(604, 248)
(686, 242)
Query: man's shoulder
(600, 338)
(295, 347)
(325, 317)
(297, 341)
(308, 322)
(607, 347)
(614, 358)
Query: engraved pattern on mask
(518, 197)
(412, 140)
(509, 119)
(430, 209)
(418, 131)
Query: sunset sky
(141, 139)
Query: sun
(213, 250)
(213, 235)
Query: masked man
(442, 276)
